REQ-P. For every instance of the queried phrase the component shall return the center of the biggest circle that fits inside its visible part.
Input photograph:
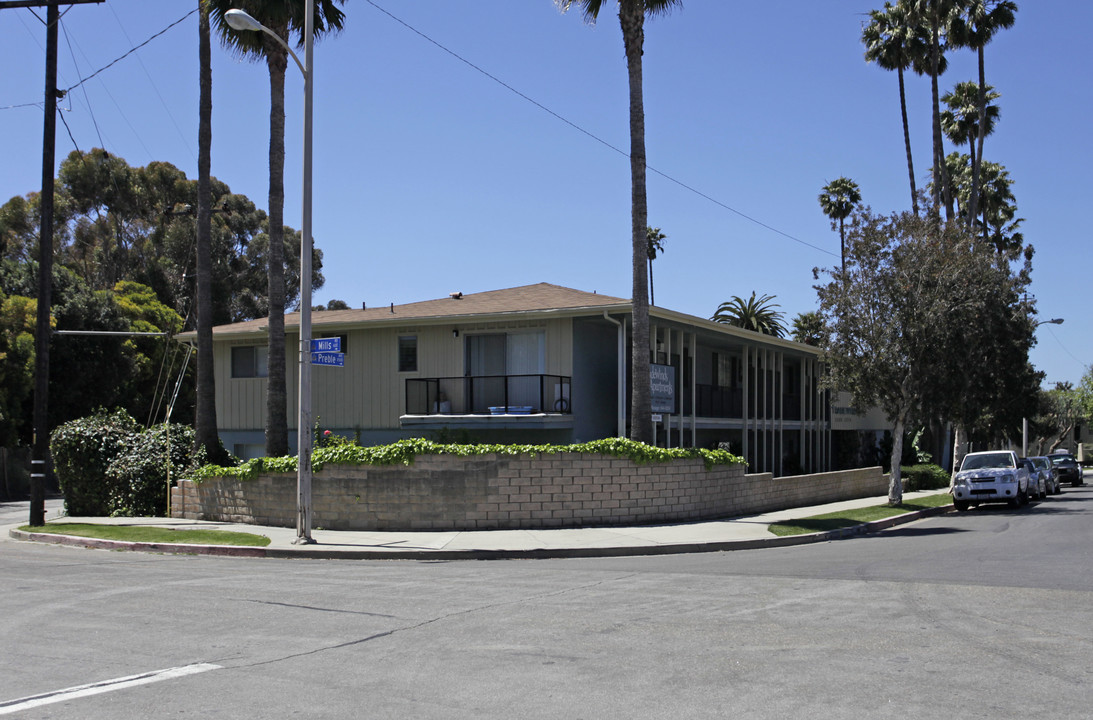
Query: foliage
(138, 474)
(1085, 393)
(925, 322)
(808, 328)
(924, 476)
(117, 222)
(753, 314)
(838, 199)
(404, 452)
(107, 465)
(17, 326)
(82, 451)
(1060, 409)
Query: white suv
(994, 476)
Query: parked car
(993, 476)
(1051, 477)
(1042, 476)
(1037, 480)
(1068, 468)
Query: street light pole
(1024, 421)
(240, 20)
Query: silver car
(1047, 470)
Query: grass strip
(850, 518)
(149, 534)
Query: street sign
(333, 344)
(330, 359)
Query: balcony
(489, 395)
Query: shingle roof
(542, 297)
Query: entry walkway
(737, 533)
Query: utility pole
(39, 462)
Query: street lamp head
(1055, 321)
(239, 20)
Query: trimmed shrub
(82, 451)
(138, 475)
(108, 466)
(924, 477)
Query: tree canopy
(926, 322)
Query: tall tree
(937, 15)
(655, 246)
(285, 19)
(206, 435)
(837, 201)
(961, 123)
(808, 328)
(632, 21)
(917, 301)
(895, 42)
(974, 26)
(753, 314)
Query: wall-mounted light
(455, 332)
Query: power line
(130, 51)
(592, 135)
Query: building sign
(662, 388)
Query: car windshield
(987, 460)
(1041, 462)
(1060, 459)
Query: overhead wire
(592, 135)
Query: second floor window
(407, 353)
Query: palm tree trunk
(205, 414)
(652, 295)
(942, 188)
(907, 143)
(632, 20)
(977, 158)
(276, 392)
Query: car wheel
(960, 505)
(1014, 502)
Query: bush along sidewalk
(108, 466)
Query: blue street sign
(331, 359)
(326, 345)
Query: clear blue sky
(431, 176)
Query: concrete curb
(321, 553)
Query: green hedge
(924, 477)
(108, 466)
(403, 452)
(82, 451)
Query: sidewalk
(740, 533)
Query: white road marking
(13, 706)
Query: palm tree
(205, 435)
(753, 314)
(656, 245)
(808, 328)
(974, 27)
(838, 200)
(632, 21)
(937, 15)
(895, 42)
(285, 19)
(961, 121)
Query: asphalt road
(987, 614)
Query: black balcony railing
(713, 401)
(489, 395)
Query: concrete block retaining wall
(492, 492)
